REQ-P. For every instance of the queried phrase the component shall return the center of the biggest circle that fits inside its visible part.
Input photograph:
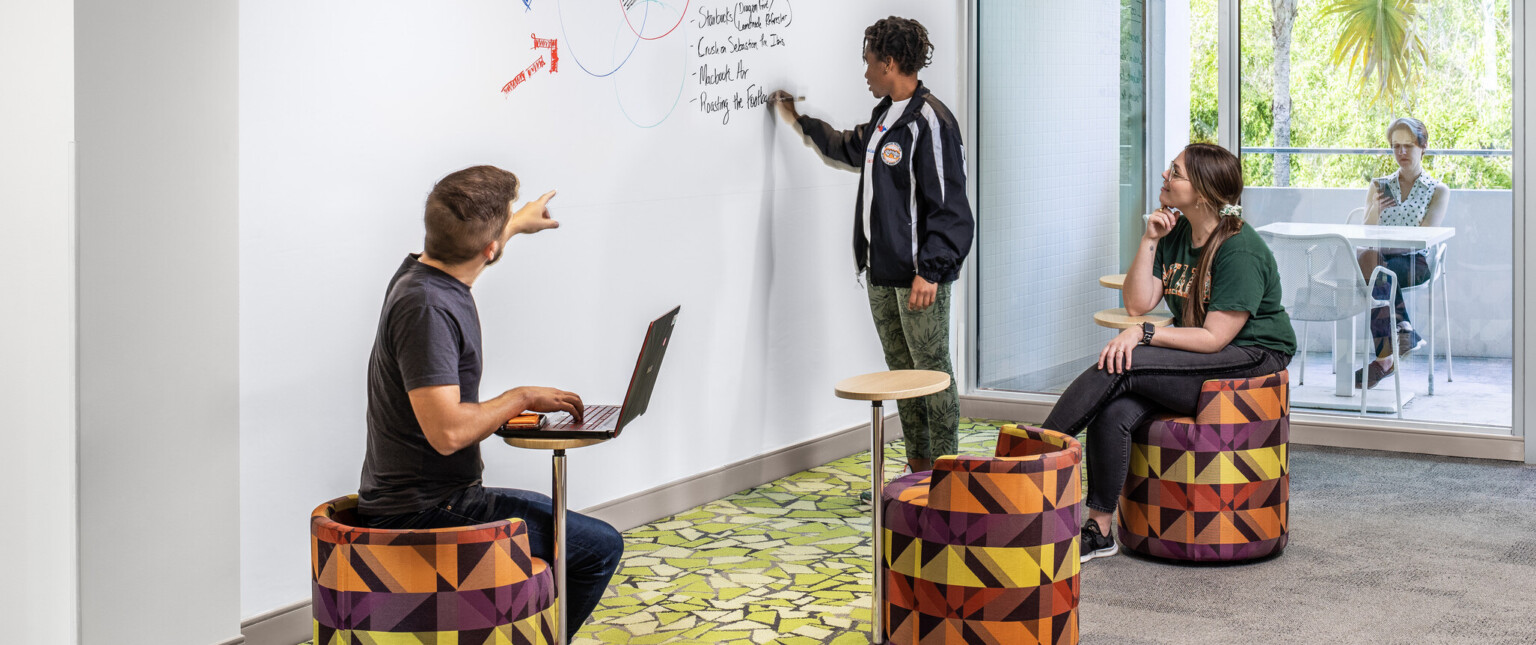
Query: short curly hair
(902, 39)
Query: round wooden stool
(557, 497)
(878, 388)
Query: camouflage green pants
(920, 340)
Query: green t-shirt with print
(1243, 278)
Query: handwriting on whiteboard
(730, 37)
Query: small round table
(878, 388)
(557, 496)
(1117, 318)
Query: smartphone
(1382, 190)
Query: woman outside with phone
(1407, 197)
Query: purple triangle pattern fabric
(1216, 486)
(467, 585)
(983, 549)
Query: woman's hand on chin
(1159, 223)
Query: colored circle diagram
(630, 44)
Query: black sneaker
(1095, 544)
(865, 497)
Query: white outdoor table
(1412, 238)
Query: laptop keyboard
(596, 417)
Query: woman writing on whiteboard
(1222, 285)
(912, 222)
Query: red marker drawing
(553, 45)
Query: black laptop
(607, 421)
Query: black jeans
(593, 547)
(1160, 380)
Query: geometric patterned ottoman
(464, 585)
(1215, 488)
(985, 549)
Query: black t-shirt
(429, 334)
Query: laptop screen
(643, 381)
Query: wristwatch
(1147, 329)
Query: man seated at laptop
(425, 416)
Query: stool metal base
(877, 489)
(558, 469)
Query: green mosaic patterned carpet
(786, 562)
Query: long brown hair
(1217, 177)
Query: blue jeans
(593, 548)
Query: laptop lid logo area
(647, 368)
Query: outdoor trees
(1462, 89)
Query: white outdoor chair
(1437, 274)
(1320, 281)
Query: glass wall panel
(1316, 153)
(1060, 156)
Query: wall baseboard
(292, 624)
(1311, 432)
(238, 640)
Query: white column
(157, 126)
(1523, 25)
(37, 323)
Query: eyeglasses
(1173, 173)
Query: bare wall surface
(157, 92)
(37, 323)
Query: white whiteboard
(351, 109)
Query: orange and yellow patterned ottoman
(984, 549)
(465, 585)
(1215, 487)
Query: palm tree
(1382, 38)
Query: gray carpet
(1384, 548)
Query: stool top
(1116, 281)
(893, 385)
(1117, 319)
(551, 444)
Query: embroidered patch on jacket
(891, 153)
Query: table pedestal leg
(559, 549)
(877, 483)
(1344, 357)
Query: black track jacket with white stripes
(921, 219)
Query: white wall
(1479, 260)
(344, 128)
(1048, 162)
(37, 323)
(159, 463)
